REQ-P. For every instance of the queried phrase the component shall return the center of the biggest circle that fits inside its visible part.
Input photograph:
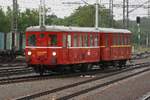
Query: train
(54, 47)
(7, 51)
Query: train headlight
(54, 53)
(29, 53)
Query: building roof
(75, 29)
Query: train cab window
(32, 40)
(64, 40)
(53, 40)
(75, 40)
(106, 40)
(85, 40)
(91, 39)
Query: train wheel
(122, 64)
(72, 69)
(85, 67)
(103, 67)
(39, 70)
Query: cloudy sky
(62, 10)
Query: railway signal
(138, 21)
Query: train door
(107, 44)
(52, 43)
(41, 52)
(64, 49)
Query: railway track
(140, 55)
(7, 72)
(12, 65)
(83, 87)
(16, 69)
(12, 68)
(21, 63)
(50, 75)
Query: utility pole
(125, 13)
(111, 13)
(96, 15)
(124, 8)
(14, 24)
(147, 38)
(148, 8)
(42, 13)
(127, 26)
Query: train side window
(91, 39)
(96, 40)
(75, 40)
(42, 35)
(53, 39)
(85, 39)
(32, 40)
(121, 39)
(106, 40)
(114, 40)
(123, 42)
(64, 40)
(124, 39)
(129, 40)
(80, 40)
(69, 40)
(118, 39)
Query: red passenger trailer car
(53, 47)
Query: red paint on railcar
(68, 47)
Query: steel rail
(36, 95)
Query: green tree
(5, 21)
(85, 17)
(27, 18)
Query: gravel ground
(10, 91)
(131, 89)
(84, 86)
(16, 90)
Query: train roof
(75, 29)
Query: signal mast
(42, 13)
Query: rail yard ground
(136, 87)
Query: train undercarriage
(84, 67)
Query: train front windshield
(52, 40)
(42, 39)
(32, 40)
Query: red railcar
(50, 47)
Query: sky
(62, 10)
